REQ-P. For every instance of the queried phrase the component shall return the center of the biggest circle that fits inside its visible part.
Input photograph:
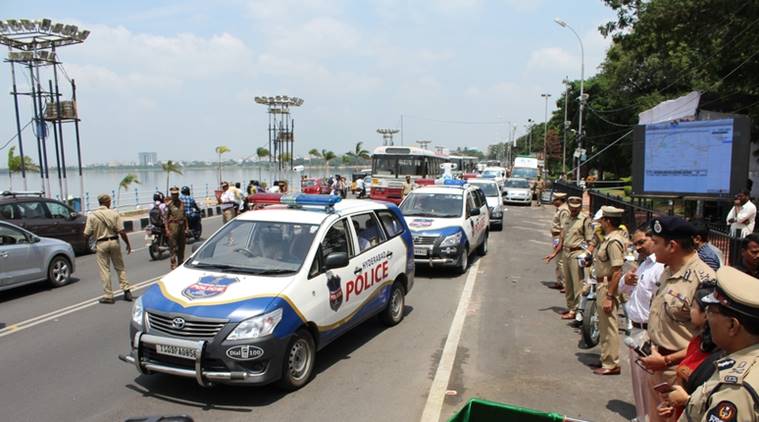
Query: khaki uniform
(559, 219)
(104, 225)
(540, 186)
(176, 223)
(730, 394)
(608, 255)
(669, 325)
(576, 231)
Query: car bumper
(519, 200)
(211, 364)
(439, 257)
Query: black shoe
(128, 296)
(107, 300)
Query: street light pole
(545, 137)
(529, 137)
(566, 126)
(582, 91)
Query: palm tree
(313, 153)
(347, 159)
(221, 149)
(359, 152)
(170, 167)
(14, 165)
(124, 184)
(327, 156)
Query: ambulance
(258, 299)
(449, 220)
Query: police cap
(574, 202)
(174, 190)
(103, 198)
(560, 195)
(672, 227)
(737, 291)
(611, 212)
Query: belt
(105, 239)
(640, 325)
(575, 249)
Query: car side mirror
(336, 260)
(474, 212)
(73, 215)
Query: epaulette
(732, 371)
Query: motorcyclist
(191, 208)
(157, 210)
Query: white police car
(256, 301)
(448, 221)
(495, 201)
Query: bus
(464, 164)
(391, 165)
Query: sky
(179, 77)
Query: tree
(262, 153)
(327, 156)
(221, 149)
(359, 153)
(170, 167)
(347, 159)
(124, 184)
(14, 165)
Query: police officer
(575, 234)
(559, 219)
(733, 315)
(669, 325)
(176, 224)
(106, 226)
(608, 258)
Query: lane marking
(31, 322)
(439, 386)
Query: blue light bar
(450, 182)
(303, 199)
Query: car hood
(517, 190)
(211, 294)
(49, 242)
(424, 225)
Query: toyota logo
(177, 323)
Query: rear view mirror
(336, 260)
(474, 212)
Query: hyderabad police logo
(335, 291)
(208, 286)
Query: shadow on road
(588, 359)
(187, 392)
(558, 310)
(30, 289)
(445, 272)
(622, 408)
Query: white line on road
(439, 386)
(31, 322)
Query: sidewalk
(515, 349)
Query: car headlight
(137, 312)
(256, 327)
(452, 240)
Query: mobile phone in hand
(664, 388)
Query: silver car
(27, 258)
(517, 191)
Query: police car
(448, 221)
(495, 201)
(257, 300)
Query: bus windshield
(405, 165)
(524, 172)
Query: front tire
(463, 263)
(59, 271)
(393, 313)
(483, 248)
(590, 333)
(298, 365)
(155, 251)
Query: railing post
(136, 199)
(87, 202)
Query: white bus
(464, 164)
(391, 165)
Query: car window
(479, 198)
(58, 210)
(8, 212)
(392, 226)
(11, 236)
(337, 239)
(368, 231)
(470, 203)
(31, 210)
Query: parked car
(45, 217)
(27, 258)
(516, 190)
(495, 201)
(314, 186)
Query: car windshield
(517, 184)
(490, 173)
(257, 247)
(307, 183)
(436, 205)
(489, 189)
(525, 172)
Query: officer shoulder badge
(724, 411)
(208, 286)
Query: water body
(202, 181)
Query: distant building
(147, 159)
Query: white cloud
(551, 58)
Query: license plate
(420, 251)
(176, 351)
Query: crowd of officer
(694, 332)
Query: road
(493, 333)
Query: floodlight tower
(423, 143)
(32, 44)
(281, 129)
(387, 136)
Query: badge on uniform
(208, 286)
(724, 411)
(335, 291)
(725, 364)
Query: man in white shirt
(741, 217)
(640, 285)
(228, 203)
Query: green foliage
(262, 153)
(14, 162)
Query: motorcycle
(195, 230)
(156, 242)
(587, 314)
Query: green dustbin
(478, 410)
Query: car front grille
(192, 328)
(424, 240)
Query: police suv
(257, 300)
(448, 221)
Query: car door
(376, 263)
(482, 201)
(470, 220)
(65, 228)
(19, 260)
(33, 216)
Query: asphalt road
(58, 350)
